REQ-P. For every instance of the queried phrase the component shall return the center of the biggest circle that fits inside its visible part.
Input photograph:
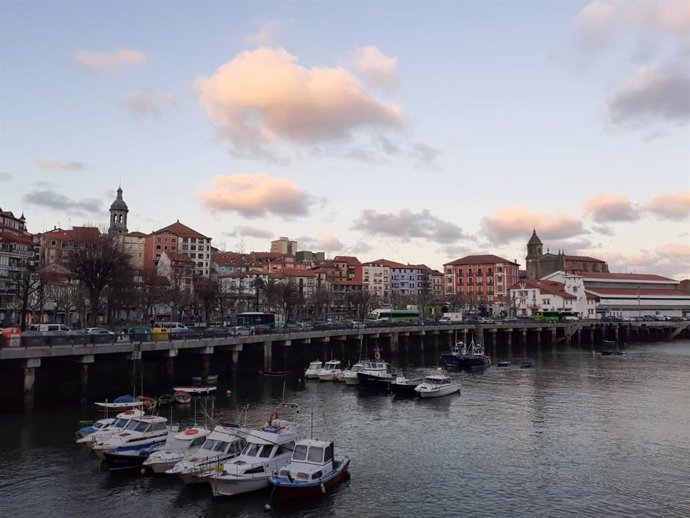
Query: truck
(451, 318)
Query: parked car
(99, 331)
(239, 331)
(215, 331)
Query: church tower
(118, 216)
(535, 249)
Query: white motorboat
(350, 375)
(439, 384)
(99, 426)
(331, 371)
(223, 443)
(267, 450)
(177, 447)
(140, 431)
(312, 372)
(376, 375)
(118, 425)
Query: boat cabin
(437, 379)
(311, 460)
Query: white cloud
(144, 102)
(267, 33)
(407, 225)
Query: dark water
(578, 435)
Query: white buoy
(267, 507)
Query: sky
(416, 131)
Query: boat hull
(405, 389)
(351, 380)
(465, 362)
(444, 391)
(286, 490)
(371, 382)
(232, 486)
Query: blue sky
(414, 131)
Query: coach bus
(555, 316)
(251, 319)
(394, 316)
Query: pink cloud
(675, 205)
(670, 260)
(329, 243)
(263, 97)
(378, 69)
(61, 166)
(606, 208)
(517, 222)
(103, 62)
(254, 195)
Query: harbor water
(579, 435)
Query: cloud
(607, 208)
(674, 206)
(267, 32)
(407, 225)
(61, 166)
(55, 201)
(329, 243)
(517, 222)
(5, 177)
(254, 195)
(424, 155)
(599, 21)
(105, 62)
(653, 94)
(144, 102)
(670, 260)
(378, 69)
(242, 230)
(263, 98)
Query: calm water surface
(578, 435)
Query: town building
(631, 294)
(178, 269)
(376, 280)
(58, 245)
(18, 265)
(480, 283)
(529, 296)
(540, 264)
(309, 259)
(133, 244)
(178, 238)
(284, 245)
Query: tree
(258, 285)
(27, 284)
(95, 265)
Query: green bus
(555, 316)
(394, 316)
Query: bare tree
(95, 265)
(27, 284)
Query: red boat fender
(191, 431)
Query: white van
(48, 327)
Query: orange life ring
(191, 431)
(377, 355)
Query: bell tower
(118, 216)
(535, 249)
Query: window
(315, 454)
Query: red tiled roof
(385, 262)
(178, 257)
(298, 272)
(180, 230)
(549, 287)
(479, 259)
(346, 259)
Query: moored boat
(131, 456)
(312, 471)
(312, 372)
(436, 385)
(331, 370)
(224, 442)
(349, 376)
(196, 391)
(140, 431)
(182, 397)
(402, 386)
(466, 356)
(267, 450)
(177, 447)
(119, 404)
(375, 375)
(118, 425)
(99, 426)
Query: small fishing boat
(182, 397)
(436, 385)
(119, 404)
(177, 447)
(331, 370)
(312, 471)
(312, 372)
(466, 356)
(375, 374)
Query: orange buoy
(191, 431)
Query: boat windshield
(221, 446)
(210, 444)
(252, 449)
(300, 452)
(143, 427)
(133, 424)
(266, 451)
(120, 423)
(315, 454)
